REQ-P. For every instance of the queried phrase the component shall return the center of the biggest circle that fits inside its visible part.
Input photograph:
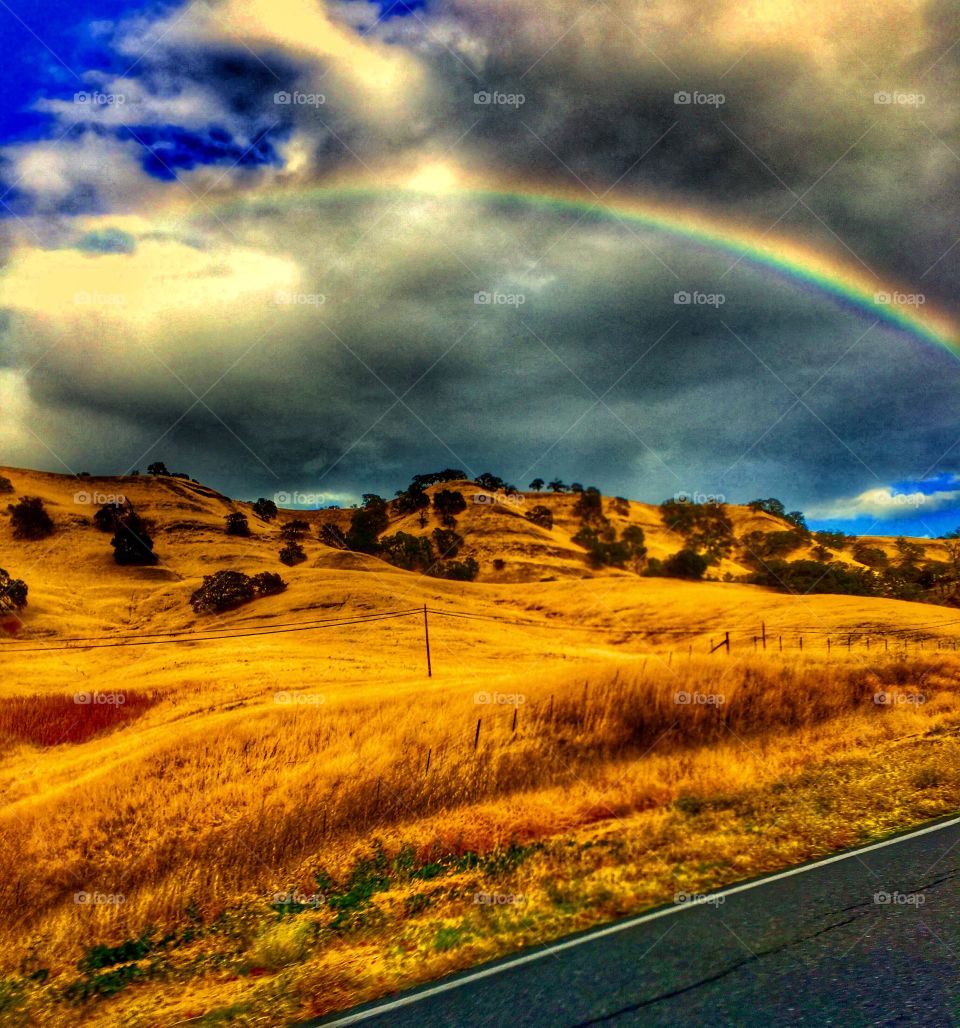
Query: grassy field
(262, 827)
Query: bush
(265, 509)
(832, 540)
(237, 524)
(6, 486)
(226, 590)
(686, 564)
(30, 519)
(456, 570)
(811, 576)
(222, 591)
(132, 543)
(267, 583)
(292, 553)
(542, 516)
(13, 593)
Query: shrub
(6, 486)
(237, 524)
(267, 583)
(292, 553)
(456, 570)
(222, 591)
(30, 519)
(13, 593)
(540, 515)
(832, 540)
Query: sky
(311, 248)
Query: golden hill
(77, 589)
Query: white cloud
(887, 504)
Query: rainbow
(846, 285)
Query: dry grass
(189, 818)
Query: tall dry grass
(211, 811)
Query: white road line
(622, 926)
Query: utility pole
(426, 636)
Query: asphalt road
(868, 937)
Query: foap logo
(499, 899)
(98, 99)
(99, 699)
(491, 98)
(698, 899)
(695, 497)
(699, 699)
(899, 699)
(698, 299)
(299, 699)
(282, 298)
(296, 499)
(499, 299)
(499, 499)
(694, 98)
(897, 98)
(100, 299)
(98, 899)
(95, 499)
(899, 899)
(298, 99)
(500, 699)
(299, 899)
(900, 299)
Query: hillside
(76, 588)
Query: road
(815, 945)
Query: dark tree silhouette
(292, 554)
(237, 524)
(131, 542)
(265, 509)
(537, 484)
(157, 468)
(30, 519)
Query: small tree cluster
(226, 590)
(449, 475)
(411, 499)
(367, 524)
(705, 527)
(686, 564)
(605, 550)
(448, 503)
